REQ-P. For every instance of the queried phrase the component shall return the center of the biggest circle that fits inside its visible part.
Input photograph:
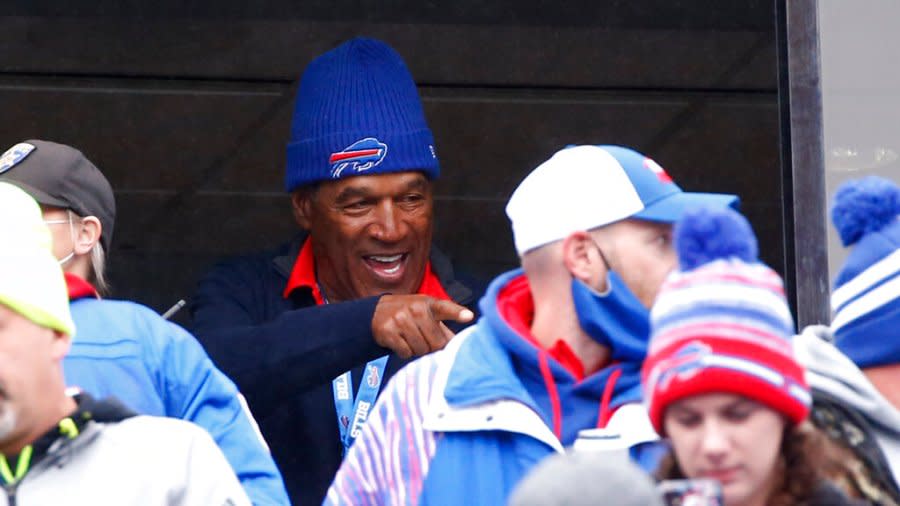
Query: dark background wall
(186, 108)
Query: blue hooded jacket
(464, 425)
(125, 350)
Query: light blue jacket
(155, 367)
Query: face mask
(616, 319)
(65, 259)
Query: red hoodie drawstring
(605, 413)
(550, 383)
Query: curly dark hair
(802, 466)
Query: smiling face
(728, 438)
(370, 234)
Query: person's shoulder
(112, 320)
(431, 370)
(115, 307)
(156, 434)
(124, 318)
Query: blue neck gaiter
(616, 319)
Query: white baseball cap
(585, 187)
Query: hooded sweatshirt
(831, 372)
(463, 425)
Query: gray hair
(98, 269)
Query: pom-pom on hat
(358, 113)
(586, 187)
(721, 323)
(31, 280)
(864, 302)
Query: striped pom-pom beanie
(865, 301)
(358, 113)
(721, 323)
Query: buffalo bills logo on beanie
(721, 322)
(864, 302)
(358, 113)
(360, 156)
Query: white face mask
(65, 259)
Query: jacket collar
(490, 409)
(78, 288)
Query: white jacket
(142, 460)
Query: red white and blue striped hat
(721, 322)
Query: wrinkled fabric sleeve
(273, 360)
(208, 479)
(196, 391)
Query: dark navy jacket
(283, 354)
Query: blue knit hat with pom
(864, 302)
(358, 113)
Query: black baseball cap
(60, 176)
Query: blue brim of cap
(671, 208)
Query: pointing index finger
(447, 310)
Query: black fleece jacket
(283, 354)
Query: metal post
(802, 160)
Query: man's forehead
(377, 183)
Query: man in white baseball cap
(557, 351)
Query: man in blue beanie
(854, 363)
(309, 331)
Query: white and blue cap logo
(14, 155)
(591, 186)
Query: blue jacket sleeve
(197, 391)
(271, 351)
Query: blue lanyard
(352, 414)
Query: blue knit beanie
(866, 298)
(358, 113)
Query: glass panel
(859, 44)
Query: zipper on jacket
(11, 493)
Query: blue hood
(497, 362)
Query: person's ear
(582, 259)
(87, 234)
(60, 346)
(302, 206)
